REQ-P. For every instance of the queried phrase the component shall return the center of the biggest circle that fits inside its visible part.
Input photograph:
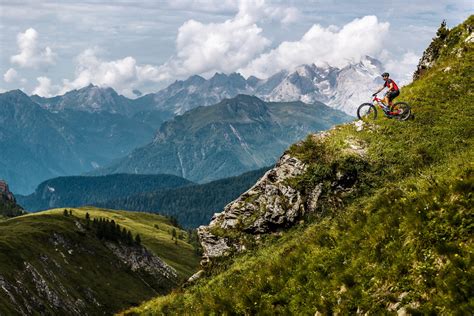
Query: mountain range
(37, 144)
(226, 139)
(341, 88)
(93, 127)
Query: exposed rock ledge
(139, 259)
(270, 204)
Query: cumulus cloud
(202, 48)
(45, 87)
(216, 47)
(10, 75)
(123, 74)
(31, 55)
(333, 45)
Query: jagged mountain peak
(343, 89)
(306, 70)
(371, 62)
(17, 93)
(91, 98)
(195, 79)
(92, 91)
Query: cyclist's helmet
(385, 74)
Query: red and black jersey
(388, 82)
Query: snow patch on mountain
(343, 89)
(340, 88)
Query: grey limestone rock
(272, 203)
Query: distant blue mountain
(51, 137)
(226, 139)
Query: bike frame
(379, 102)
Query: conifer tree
(129, 238)
(138, 240)
(88, 221)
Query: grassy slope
(27, 239)
(404, 237)
(182, 256)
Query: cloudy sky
(50, 47)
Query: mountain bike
(368, 111)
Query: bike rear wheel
(367, 112)
(402, 111)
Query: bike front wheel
(401, 110)
(367, 112)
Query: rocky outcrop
(275, 202)
(270, 204)
(8, 205)
(430, 55)
(139, 259)
(5, 191)
(443, 44)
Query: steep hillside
(54, 263)
(191, 205)
(227, 139)
(81, 190)
(367, 218)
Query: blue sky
(49, 47)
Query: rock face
(270, 204)
(8, 205)
(277, 202)
(139, 259)
(431, 54)
(5, 191)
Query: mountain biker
(392, 92)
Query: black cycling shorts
(392, 95)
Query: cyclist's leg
(385, 99)
(391, 96)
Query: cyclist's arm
(379, 89)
